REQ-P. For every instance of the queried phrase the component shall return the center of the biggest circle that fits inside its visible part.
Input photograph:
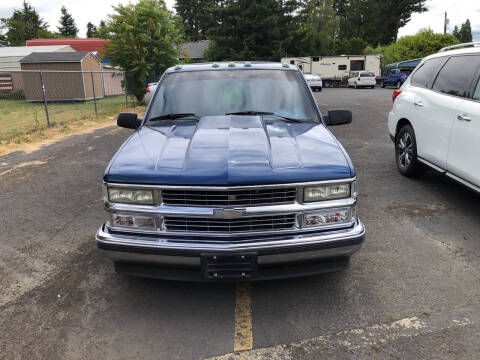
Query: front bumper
(277, 256)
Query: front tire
(406, 152)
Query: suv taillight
(358, 78)
(395, 94)
(148, 89)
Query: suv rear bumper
(276, 257)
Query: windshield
(210, 93)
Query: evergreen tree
(456, 32)
(91, 30)
(320, 26)
(376, 22)
(67, 26)
(259, 29)
(197, 17)
(465, 33)
(24, 24)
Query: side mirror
(338, 117)
(128, 120)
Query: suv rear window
(456, 75)
(367, 74)
(424, 74)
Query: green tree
(456, 32)
(67, 26)
(376, 22)
(91, 30)
(463, 35)
(196, 17)
(24, 24)
(252, 30)
(144, 41)
(320, 25)
(424, 43)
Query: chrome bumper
(278, 249)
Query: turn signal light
(395, 94)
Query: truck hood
(229, 150)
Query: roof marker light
(231, 64)
(178, 67)
(215, 65)
(247, 64)
(285, 65)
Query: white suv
(435, 120)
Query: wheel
(399, 84)
(406, 152)
(355, 86)
(319, 89)
(327, 84)
(383, 84)
(373, 87)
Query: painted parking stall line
(243, 340)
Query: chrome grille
(220, 198)
(246, 224)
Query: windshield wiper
(174, 116)
(250, 112)
(286, 118)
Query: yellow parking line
(243, 318)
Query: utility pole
(445, 24)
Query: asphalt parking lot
(412, 292)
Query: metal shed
(66, 76)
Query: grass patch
(20, 117)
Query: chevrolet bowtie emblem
(229, 213)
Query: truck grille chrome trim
(245, 224)
(220, 198)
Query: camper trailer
(335, 69)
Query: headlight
(329, 217)
(130, 196)
(326, 192)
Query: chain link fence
(32, 99)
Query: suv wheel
(406, 152)
(356, 86)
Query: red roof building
(90, 44)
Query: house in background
(64, 77)
(194, 50)
(10, 61)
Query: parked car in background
(395, 77)
(435, 120)
(150, 91)
(232, 175)
(359, 79)
(314, 81)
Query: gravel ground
(412, 292)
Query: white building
(10, 56)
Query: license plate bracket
(239, 266)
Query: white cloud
(457, 12)
(82, 11)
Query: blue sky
(95, 10)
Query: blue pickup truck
(395, 77)
(232, 175)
